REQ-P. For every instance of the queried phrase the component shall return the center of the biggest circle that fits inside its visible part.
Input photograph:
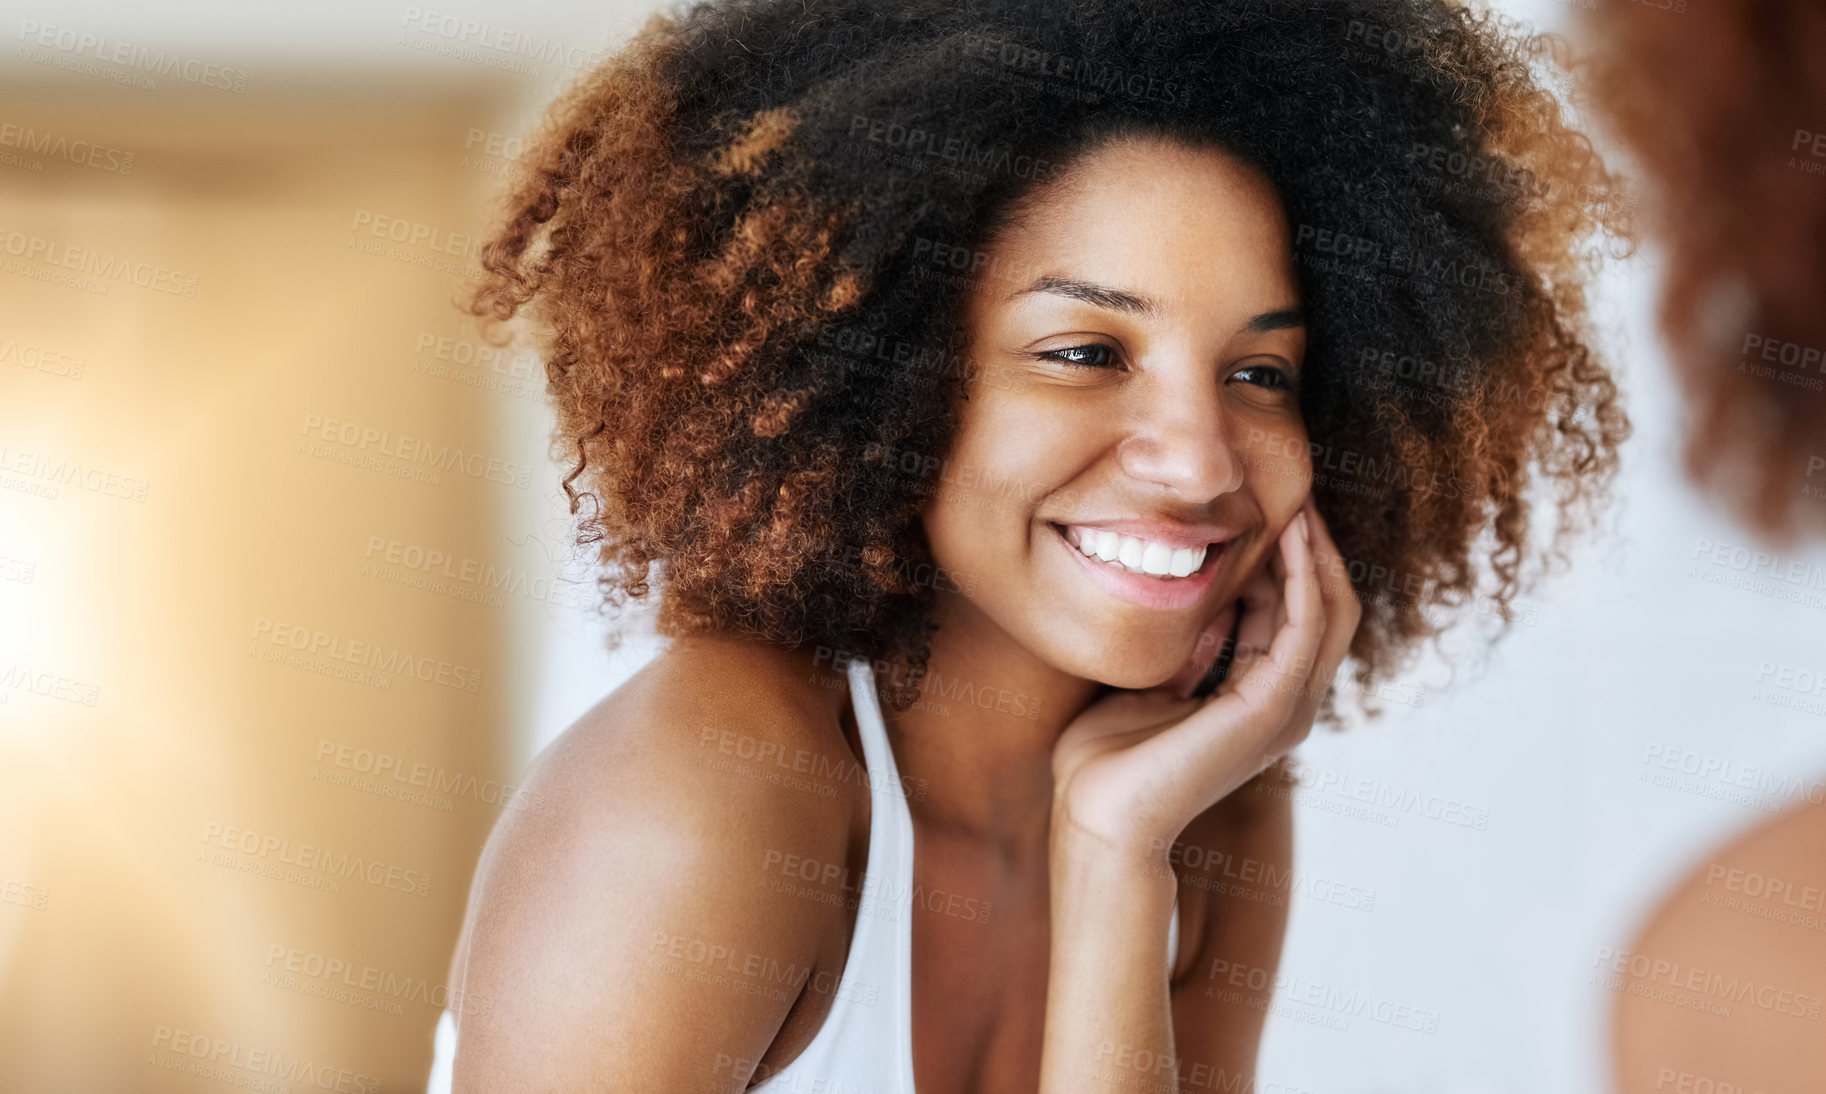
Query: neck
(982, 735)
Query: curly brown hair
(1724, 106)
(738, 238)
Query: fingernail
(1305, 537)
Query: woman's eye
(1092, 355)
(1266, 376)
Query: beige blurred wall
(256, 447)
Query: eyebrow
(1134, 303)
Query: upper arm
(1239, 858)
(620, 936)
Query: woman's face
(1138, 343)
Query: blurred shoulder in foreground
(1724, 988)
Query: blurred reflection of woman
(1723, 105)
(997, 360)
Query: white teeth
(1136, 554)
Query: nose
(1182, 443)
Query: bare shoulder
(1725, 983)
(661, 739)
(633, 920)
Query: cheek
(1010, 458)
(1010, 454)
(961, 499)
(1277, 463)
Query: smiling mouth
(1136, 555)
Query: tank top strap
(884, 773)
(884, 920)
(865, 1045)
(883, 770)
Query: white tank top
(866, 1043)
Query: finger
(1343, 611)
(1226, 758)
(1310, 678)
(1276, 571)
(1278, 679)
(1202, 735)
(1262, 617)
(1205, 653)
(1261, 704)
(1333, 568)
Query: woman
(998, 360)
(1723, 106)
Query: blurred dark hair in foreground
(1723, 105)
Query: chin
(1140, 679)
(1133, 673)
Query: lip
(1171, 533)
(1176, 594)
